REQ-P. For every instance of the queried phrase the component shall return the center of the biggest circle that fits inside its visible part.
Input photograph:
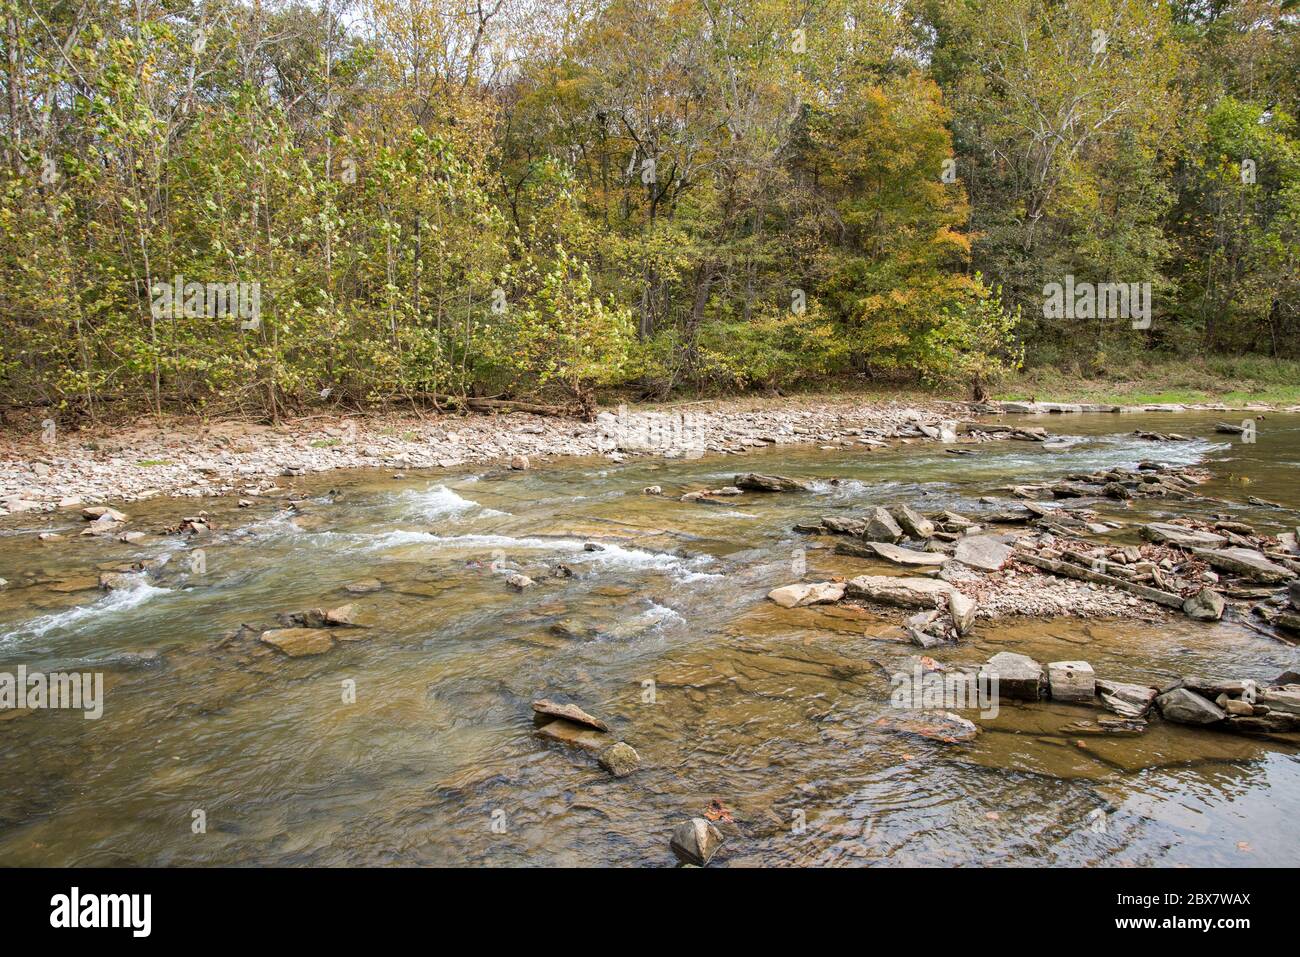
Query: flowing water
(665, 633)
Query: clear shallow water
(770, 711)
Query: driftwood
(1070, 570)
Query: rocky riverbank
(46, 467)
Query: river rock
(696, 841)
(519, 581)
(907, 556)
(914, 524)
(962, 610)
(903, 592)
(756, 482)
(1245, 561)
(1162, 532)
(1019, 677)
(984, 552)
(1293, 594)
(575, 735)
(1206, 605)
(1281, 699)
(1184, 706)
(1071, 681)
(114, 581)
(519, 462)
(570, 712)
(620, 759)
(941, 726)
(844, 526)
(363, 587)
(299, 642)
(807, 593)
(96, 513)
(881, 527)
(1126, 700)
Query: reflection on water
(662, 631)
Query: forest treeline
(230, 205)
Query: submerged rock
(696, 841)
(620, 759)
(299, 642)
(941, 726)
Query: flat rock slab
(907, 556)
(807, 593)
(1126, 700)
(1245, 561)
(571, 712)
(299, 642)
(575, 735)
(1162, 532)
(903, 592)
(984, 552)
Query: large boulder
(1187, 707)
(903, 592)
(984, 552)
(755, 482)
(807, 593)
(696, 841)
(1019, 677)
(1164, 533)
(911, 522)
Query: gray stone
(1185, 706)
(1245, 561)
(1178, 535)
(881, 527)
(1071, 681)
(755, 482)
(805, 593)
(962, 610)
(984, 552)
(1285, 699)
(696, 841)
(1019, 677)
(1126, 700)
(1205, 605)
(907, 556)
(914, 524)
(903, 592)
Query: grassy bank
(1232, 380)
